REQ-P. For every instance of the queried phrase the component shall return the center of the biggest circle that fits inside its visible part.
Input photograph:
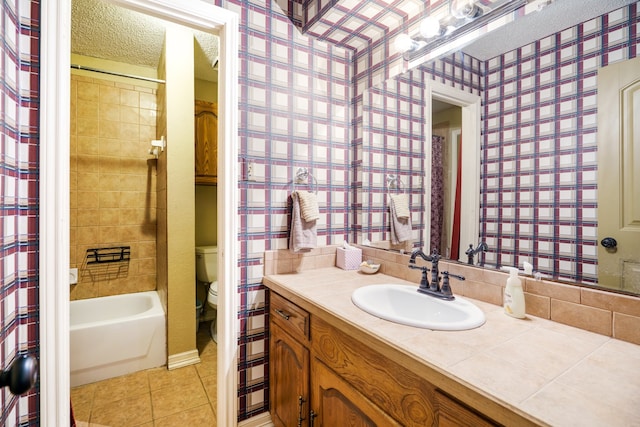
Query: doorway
(469, 161)
(54, 170)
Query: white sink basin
(405, 305)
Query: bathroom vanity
(331, 361)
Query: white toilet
(207, 273)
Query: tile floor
(155, 397)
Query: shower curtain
(437, 192)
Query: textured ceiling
(102, 30)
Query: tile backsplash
(594, 310)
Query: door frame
(55, 56)
(471, 141)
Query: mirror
(537, 189)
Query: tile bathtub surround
(113, 197)
(594, 310)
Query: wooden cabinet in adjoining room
(206, 144)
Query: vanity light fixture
(462, 18)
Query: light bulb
(404, 43)
(465, 9)
(430, 27)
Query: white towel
(401, 203)
(400, 227)
(308, 205)
(303, 235)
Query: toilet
(207, 273)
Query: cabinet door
(335, 403)
(206, 144)
(454, 414)
(288, 379)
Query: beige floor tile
(211, 387)
(162, 378)
(117, 388)
(201, 416)
(172, 400)
(130, 411)
(82, 401)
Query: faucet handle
(446, 289)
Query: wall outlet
(73, 276)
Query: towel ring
(395, 182)
(304, 176)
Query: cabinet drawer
(289, 317)
(452, 413)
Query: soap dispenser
(513, 294)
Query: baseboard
(260, 420)
(183, 359)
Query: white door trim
(470, 207)
(54, 196)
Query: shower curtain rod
(113, 73)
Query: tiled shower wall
(19, 313)
(113, 185)
(539, 160)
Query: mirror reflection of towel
(303, 234)
(401, 202)
(400, 227)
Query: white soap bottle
(513, 294)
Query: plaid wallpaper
(19, 30)
(294, 112)
(539, 160)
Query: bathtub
(116, 335)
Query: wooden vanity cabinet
(321, 376)
(289, 367)
(206, 143)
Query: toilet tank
(206, 263)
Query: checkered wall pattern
(19, 320)
(539, 159)
(294, 112)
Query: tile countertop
(547, 372)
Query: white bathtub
(116, 335)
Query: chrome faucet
(433, 288)
(471, 252)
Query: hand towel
(400, 227)
(303, 235)
(308, 206)
(401, 203)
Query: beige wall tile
(108, 112)
(483, 291)
(581, 316)
(609, 301)
(109, 94)
(88, 91)
(537, 305)
(626, 328)
(553, 290)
